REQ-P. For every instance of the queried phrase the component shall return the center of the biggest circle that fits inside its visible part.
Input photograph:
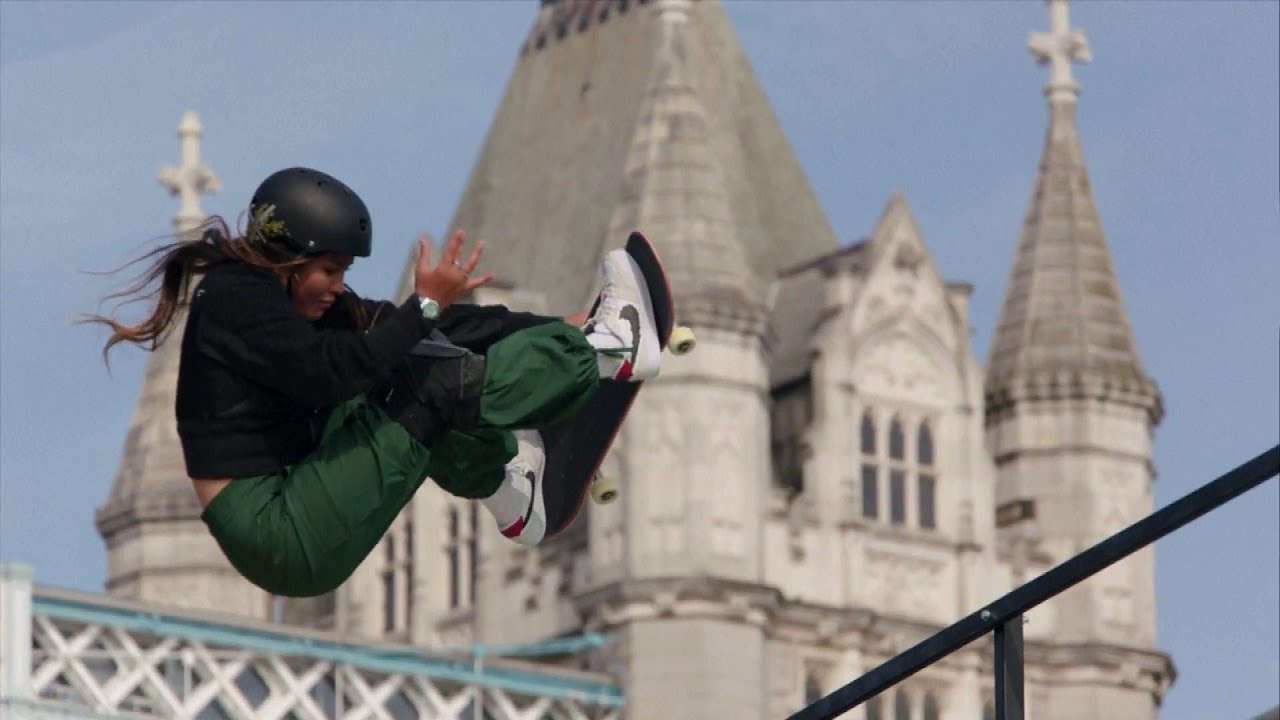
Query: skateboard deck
(577, 447)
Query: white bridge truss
(65, 654)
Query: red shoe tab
(624, 373)
(514, 529)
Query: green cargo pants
(302, 531)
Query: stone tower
(622, 115)
(677, 564)
(880, 527)
(158, 550)
(1070, 414)
(550, 175)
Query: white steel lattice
(108, 669)
(103, 659)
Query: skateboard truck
(682, 340)
(604, 489)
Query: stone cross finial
(1060, 47)
(191, 178)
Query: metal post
(1008, 669)
(15, 631)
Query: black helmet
(312, 213)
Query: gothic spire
(151, 485)
(1063, 320)
(590, 84)
(674, 189)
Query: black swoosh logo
(632, 316)
(533, 493)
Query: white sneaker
(523, 485)
(622, 327)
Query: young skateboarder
(308, 416)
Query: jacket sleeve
(250, 324)
(476, 327)
(374, 311)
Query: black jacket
(257, 380)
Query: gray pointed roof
(1063, 315)
(151, 481)
(558, 175)
(800, 309)
(674, 190)
(1272, 714)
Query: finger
(477, 282)
(472, 261)
(424, 251)
(452, 249)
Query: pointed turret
(157, 547)
(1063, 321)
(1070, 414)
(674, 190)
(598, 83)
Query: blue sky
(941, 101)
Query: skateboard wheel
(682, 340)
(604, 490)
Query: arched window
(928, 479)
(409, 556)
(812, 689)
(901, 708)
(897, 442)
(897, 474)
(931, 710)
(473, 554)
(870, 474)
(924, 445)
(868, 434)
(389, 584)
(397, 576)
(454, 553)
(874, 709)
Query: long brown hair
(175, 265)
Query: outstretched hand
(451, 279)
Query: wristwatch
(430, 308)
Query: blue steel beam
(552, 646)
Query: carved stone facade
(816, 488)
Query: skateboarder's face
(318, 283)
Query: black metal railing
(1003, 617)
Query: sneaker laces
(517, 467)
(526, 450)
(607, 314)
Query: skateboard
(576, 448)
